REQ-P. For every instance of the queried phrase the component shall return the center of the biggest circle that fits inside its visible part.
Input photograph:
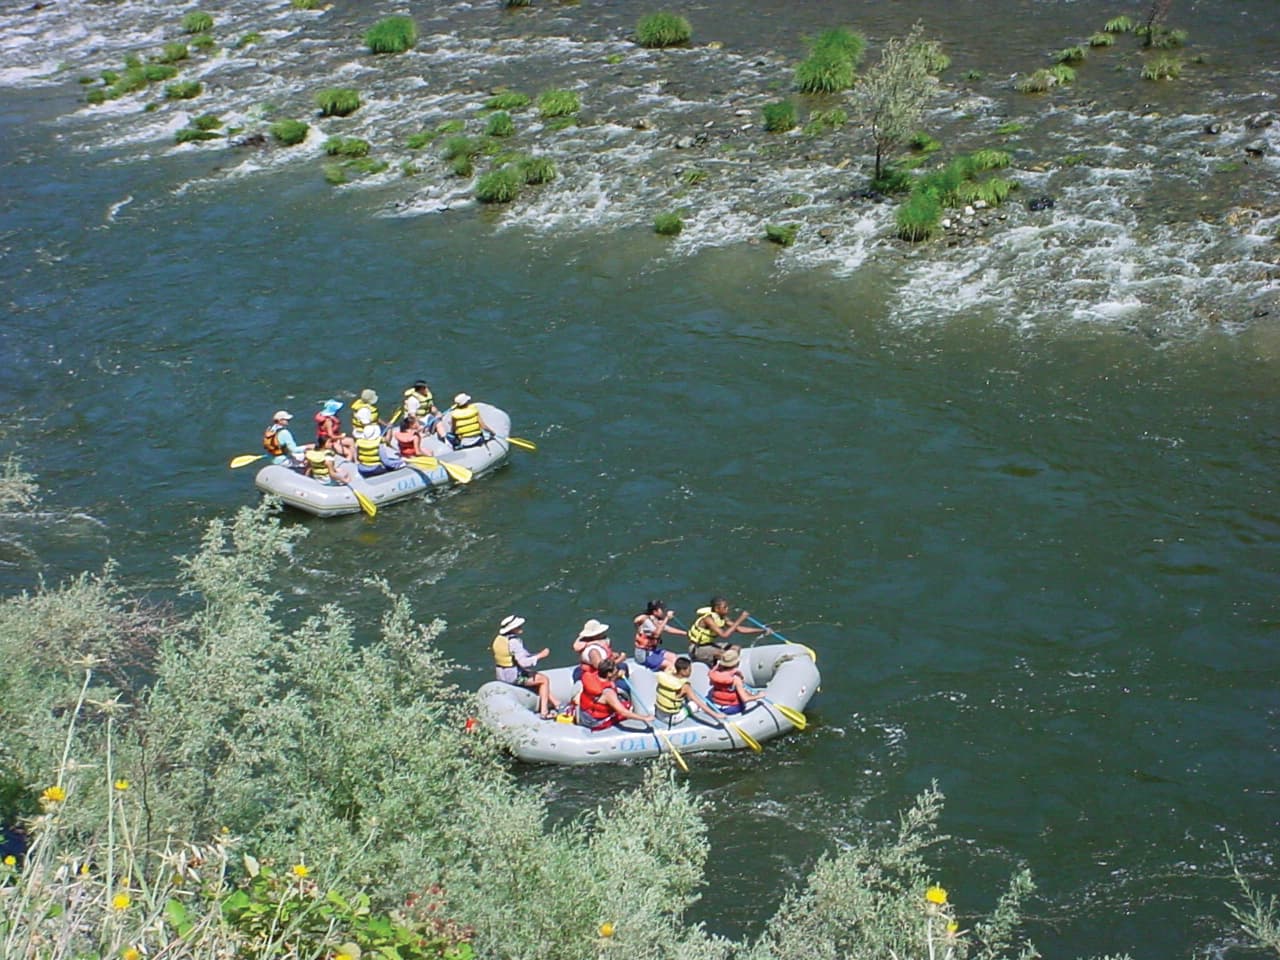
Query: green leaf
(334, 897)
(251, 865)
(175, 912)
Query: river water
(1018, 492)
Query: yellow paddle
(456, 470)
(244, 460)
(675, 754)
(368, 506)
(522, 444)
(747, 738)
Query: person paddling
(322, 464)
(599, 705)
(368, 400)
(711, 630)
(420, 404)
(676, 697)
(463, 424)
(650, 627)
(368, 440)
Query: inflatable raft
(787, 673)
(333, 500)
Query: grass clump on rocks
(194, 135)
(832, 62)
(919, 216)
(248, 40)
(346, 147)
(558, 103)
(1102, 39)
(783, 234)
(499, 186)
(338, 101)
(517, 3)
(391, 35)
(1070, 55)
(779, 116)
(500, 125)
(510, 100)
(668, 224)
(290, 133)
(658, 30)
(1162, 68)
(204, 42)
(207, 121)
(173, 52)
(308, 4)
(536, 170)
(183, 90)
(1118, 25)
(197, 21)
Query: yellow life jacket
(466, 421)
(700, 633)
(502, 651)
(425, 400)
(669, 699)
(318, 460)
(367, 452)
(355, 408)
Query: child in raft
(676, 697)
(728, 689)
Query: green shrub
(930, 53)
(613, 59)
(346, 147)
(840, 42)
(663, 30)
(391, 35)
(1163, 39)
(989, 159)
(923, 143)
(417, 141)
(992, 191)
(459, 146)
(338, 101)
(974, 74)
(96, 96)
(1062, 73)
(450, 126)
(207, 121)
(203, 42)
(783, 234)
(558, 103)
(693, 176)
(499, 186)
(367, 165)
(537, 170)
(1010, 128)
(507, 101)
(155, 72)
(194, 135)
(308, 4)
(1118, 25)
(132, 80)
(1038, 82)
(197, 21)
(942, 184)
(1069, 55)
(173, 52)
(290, 132)
(668, 224)
(334, 174)
(183, 90)
(892, 180)
(779, 116)
(132, 61)
(919, 216)
(1102, 39)
(462, 165)
(248, 40)
(1162, 68)
(109, 77)
(409, 169)
(824, 74)
(500, 125)
(561, 123)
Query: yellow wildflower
(606, 929)
(84, 869)
(121, 901)
(11, 861)
(936, 895)
(953, 928)
(130, 953)
(300, 870)
(52, 795)
(122, 784)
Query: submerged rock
(1040, 203)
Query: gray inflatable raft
(334, 500)
(787, 672)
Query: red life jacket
(643, 640)
(593, 689)
(407, 446)
(328, 425)
(722, 689)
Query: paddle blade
(747, 738)
(522, 444)
(456, 470)
(675, 754)
(245, 460)
(426, 463)
(797, 719)
(368, 506)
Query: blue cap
(332, 406)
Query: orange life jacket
(270, 442)
(722, 687)
(593, 689)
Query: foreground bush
(338, 101)
(391, 35)
(663, 30)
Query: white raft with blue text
(333, 499)
(786, 672)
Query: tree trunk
(1159, 11)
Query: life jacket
(502, 651)
(645, 640)
(327, 425)
(669, 699)
(606, 651)
(425, 400)
(270, 442)
(318, 461)
(367, 453)
(593, 689)
(722, 686)
(406, 446)
(466, 422)
(355, 408)
(700, 633)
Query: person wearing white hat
(593, 648)
(368, 400)
(463, 424)
(515, 665)
(278, 441)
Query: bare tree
(890, 98)
(1156, 17)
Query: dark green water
(1039, 567)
